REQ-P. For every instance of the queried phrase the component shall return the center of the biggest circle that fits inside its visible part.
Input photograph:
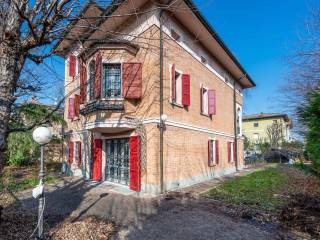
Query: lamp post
(42, 136)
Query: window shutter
(79, 154)
(76, 105)
(229, 151)
(212, 102)
(72, 66)
(209, 153)
(185, 89)
(173, 83)
(217, 151)
(71, 111)
(83, 82)
(97, 160)
(97, 84)
(132, 80)
(135, 181)
(70, 152)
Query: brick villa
(153, 96)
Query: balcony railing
(102, 105)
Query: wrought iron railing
(102, 105)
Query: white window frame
(254, 138)
(75, 152)
(213, 159)
(178, 101)
(239, 116)
(205, 110)
(78, 67)
(231, 151)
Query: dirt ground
(180, 216)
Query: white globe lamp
(164, 117)
(42, 135)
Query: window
(256, 124)
(76, 153)
(203, 60)
(175, 35)
(78, 64)
(178, 88)
(231, 152)
(111, 83)
(239, 120)
(205, 103)
(213, 151)
(275, 121)
(92, 73)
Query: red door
(97, 160)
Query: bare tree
(275, 134)
(304, 76)
(28, 30)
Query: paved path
(178, 217)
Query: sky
(262, 34)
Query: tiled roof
(266, 115)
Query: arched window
(239, 121)
(92, 72)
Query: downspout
(235, 126)
(161, 125)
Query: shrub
(22, 149)
(310, 115)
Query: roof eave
(211, 30)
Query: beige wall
(185, 146)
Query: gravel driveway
(143, 218)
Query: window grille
(111, 86)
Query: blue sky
(261, 34)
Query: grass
(262, 189)
(21, 178)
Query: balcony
(102, 105)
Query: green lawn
(261, 189)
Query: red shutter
(83, 82)
(209, 153)
(76, 105)
(97, 160)
(212, 102)
(229, 151)
(72, 66)
(70, 152)
(173, 83)
(217, 151)
(79, 154)
(71, 111)
(132, 80)
(185, 89)
(135, 182)
(201, 100)
(97, 83)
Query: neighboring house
(255, 126)
(143, 63)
